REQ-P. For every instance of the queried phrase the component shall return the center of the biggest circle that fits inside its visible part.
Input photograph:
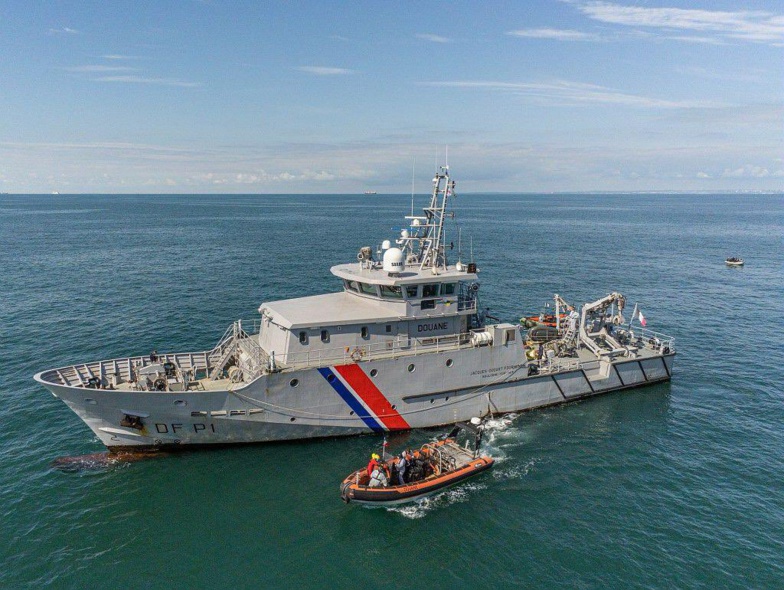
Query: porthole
(292, 419)
(432, 401)
(330, 377)
(373, 372)
(446, 399)
(449, 362)
(180, 403)
(394, 407)
(351, 413)
(411, 368)
(294, 382)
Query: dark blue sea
(672, 486)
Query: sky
(341, 97)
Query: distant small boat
(371, 193)
(55, 193)
(734, 261)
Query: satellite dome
(394, 260)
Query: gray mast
(432, 253)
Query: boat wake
(456, 495)
(499, 434)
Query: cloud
(64, 31)
(119, 57)
(143, 80)
(703, 175)
(747, 171)
(556, 34)
(698, 40)
(100, 69)
(433, 38)
(574, 93)
(745, 25)
(325, 71)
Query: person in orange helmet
(373, 464)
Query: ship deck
(203, 371)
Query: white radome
(394, 260)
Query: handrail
(650, 338)
(400, 346)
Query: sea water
(676, 485)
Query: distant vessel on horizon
(371, 193)
(734, 261)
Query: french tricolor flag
(638, 315)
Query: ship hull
(381, 395)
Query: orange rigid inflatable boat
(435, 466)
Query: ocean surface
(678, 485)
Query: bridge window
(366, 288)
(325, 335)
(303, 337)
(411, 291)
(448, 289)
(389, 328)
(391, 292)
(429, 304)
(351, 285)
(430, 290)
(365, 332)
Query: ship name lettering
(432, 327)
(162, 428)
(486, 373)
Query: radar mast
(427, 231)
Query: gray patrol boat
(403, 345)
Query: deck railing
(393, 348)
(645, 338)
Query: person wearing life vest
(372, 464)
(379, 477)
(401, 468)
(417, 467)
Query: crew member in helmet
(372, 464)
